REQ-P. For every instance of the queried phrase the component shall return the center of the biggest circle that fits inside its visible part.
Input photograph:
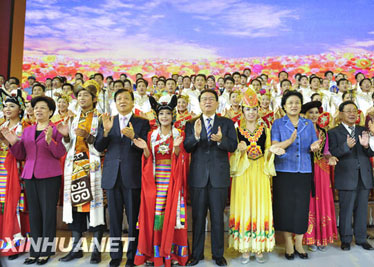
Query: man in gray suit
(209, 139)
(353, 175)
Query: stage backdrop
(161, 37)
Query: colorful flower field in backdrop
(50, 66)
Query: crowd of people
(278, 152)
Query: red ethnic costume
(163, 208)
(14, 217)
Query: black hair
(342, 105)
(186, 77)
(211, 77)
(50, 102)
(68, 84)
(313, 95)
(303, 76)
(341, 80)
(38, 84)
(285, 80)
(258, 80)
(120, 91)
(208, 91)
(124, 74)
(243, 75)
(16, 80)
(345, 93)
(99, 74)
(58, 78)
(171, 79)
(297, 76)
(127, 81)
(235, 73)
(161, 80)
(141, 80)
(229, 79)
(109, 77)
(314, 77)
(358, 73)
(289, 94)
(327, 72)
(201, 75)
(119, 81)
(283, 72)
(362, 81)
(247, 69)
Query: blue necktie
(209, 128)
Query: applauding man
(209, 139)
(353, 174)
(122, 170)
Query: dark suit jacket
(350, 160)
(121, 153)
(208, 159)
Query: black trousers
(353, 203)
(42, 196)
(118, 198)
(81, 223)
(201, 199)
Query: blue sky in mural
(197, 29)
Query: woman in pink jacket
(41, 148)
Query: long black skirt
(291, 196)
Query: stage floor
(334, 256)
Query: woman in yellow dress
(251, 215)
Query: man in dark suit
(209, 139)
(122, 170)
(353, 175)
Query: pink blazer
(41, 160)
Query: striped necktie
(209, 128)
(352, 128)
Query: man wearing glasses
(209, 139)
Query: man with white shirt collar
(353, 147)
(364, 98)
(194, 92)
(122, 171)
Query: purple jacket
(42, 160)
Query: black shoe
(115, 262)
(71, 256)
(220, 261)
(12, 257)
(42, 261)
(303, 256)
(193, 261)
(30, 260)
(130, 263)
(289, 256)
(345, 246)
(95, 257)
(365, 245)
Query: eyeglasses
(208, 99)
(350, 111)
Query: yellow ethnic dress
(251, 215)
